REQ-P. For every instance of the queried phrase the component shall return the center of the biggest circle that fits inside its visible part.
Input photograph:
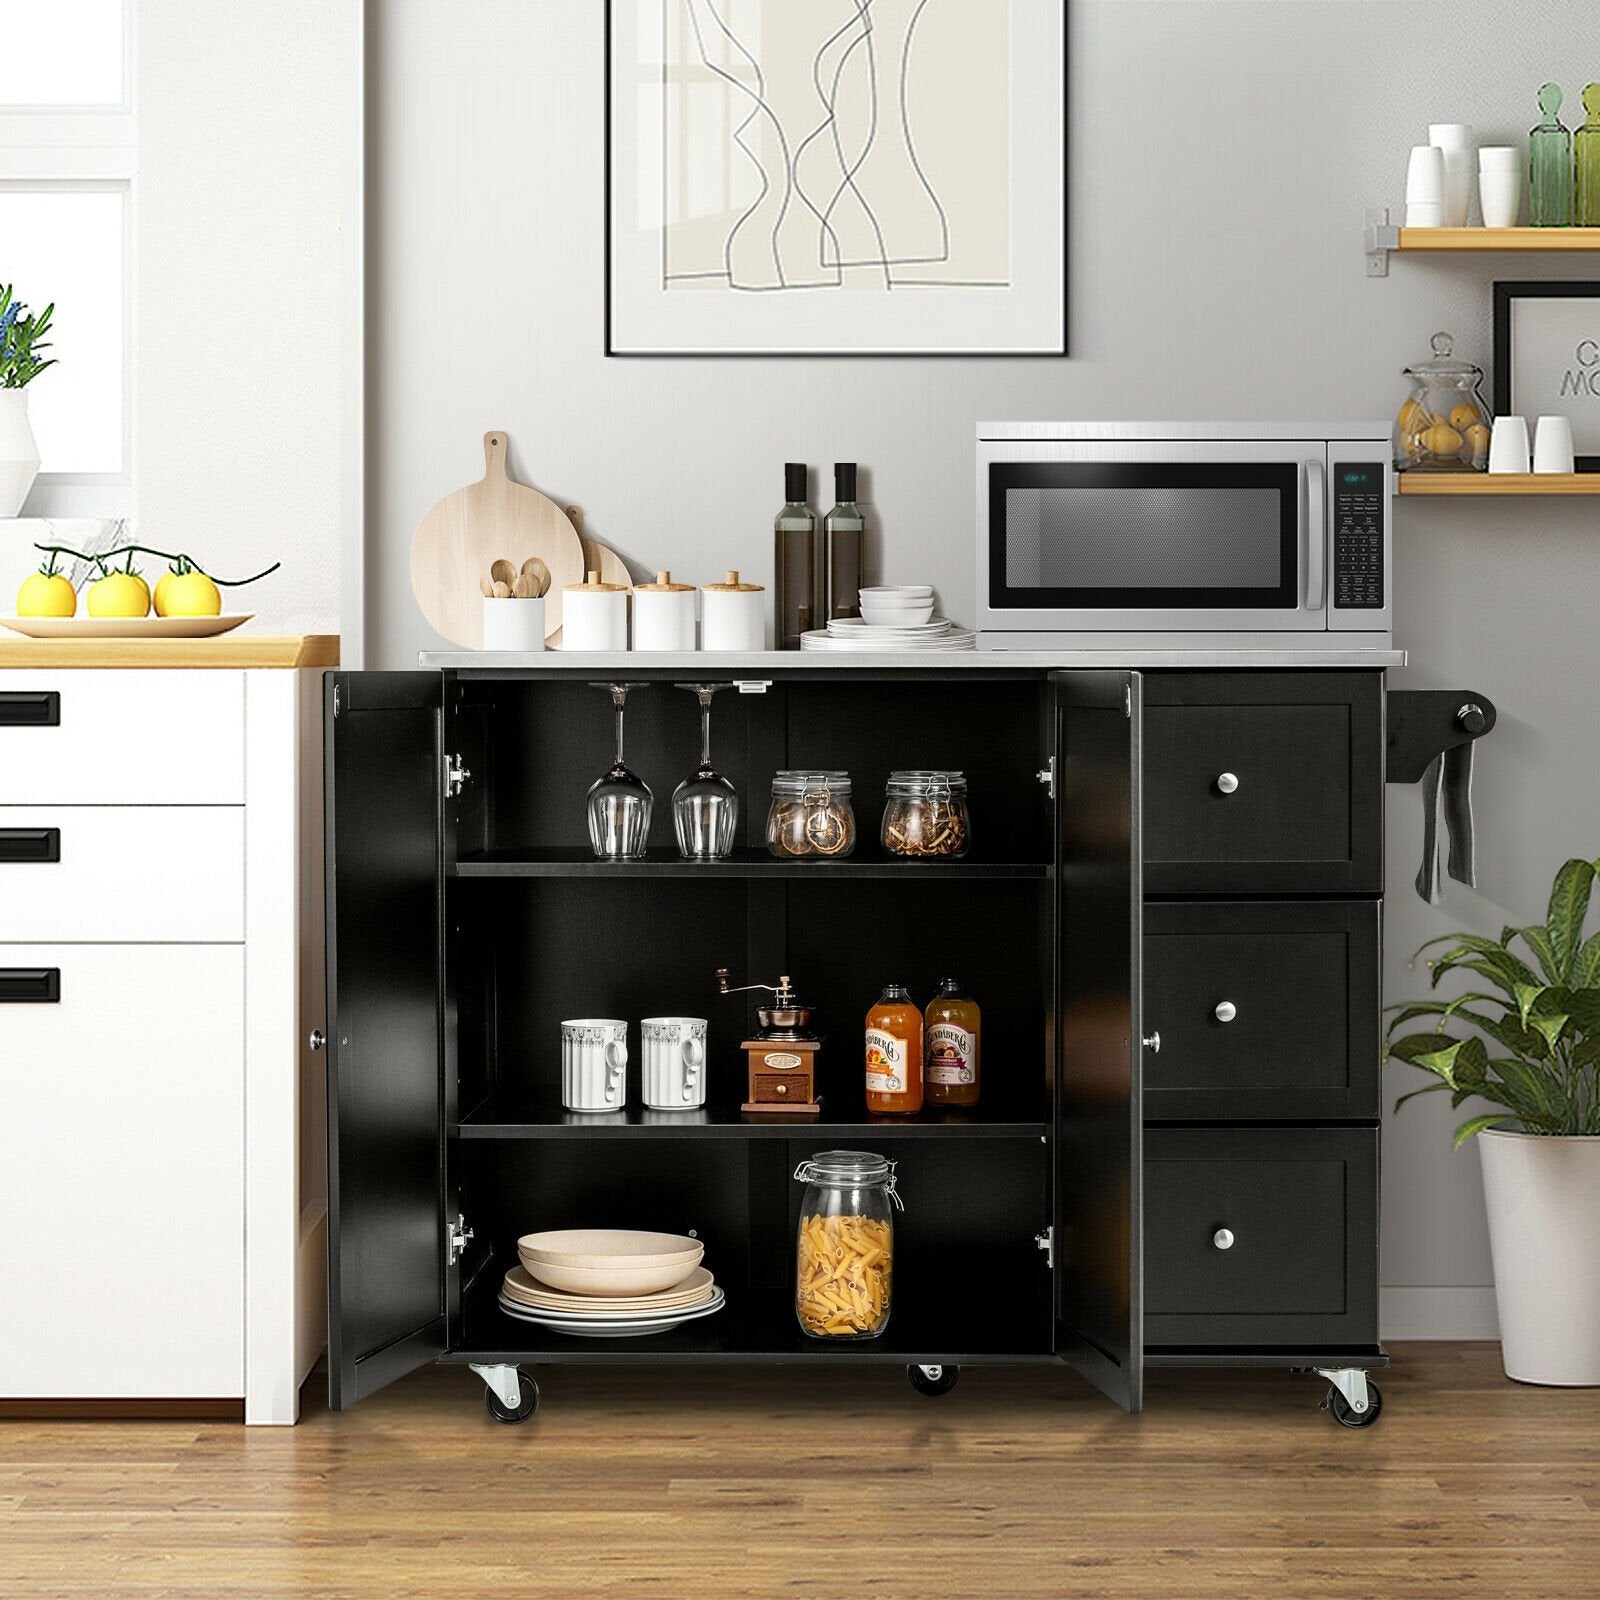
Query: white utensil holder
(513, 624)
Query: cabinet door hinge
(1127, 699)
(456, 1235)
(1046, 1241)
(455, 776)
(1047, 776)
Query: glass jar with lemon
(1444, 424)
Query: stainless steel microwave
(1254, 535)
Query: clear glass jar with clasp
(811, 815)
(925, 814)
(844, 1252)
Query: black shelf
(579, 862)
(757, 1327)
(508, 1117)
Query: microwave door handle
(1316, 535)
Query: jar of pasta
(925, 814)
(844, 1257)
(811, 815)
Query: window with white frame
(67, 173)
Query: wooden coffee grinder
(782, 1058)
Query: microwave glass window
(1132, 538)
(1126, 536)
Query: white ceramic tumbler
(594, 1064)
(1455, 139)
(1508, 445)
(513, 624)
(1425, 187)
(1500, 181)
(594, 615)
(674, 1062)
(663, 615)
(1552, 445)
(734, 615)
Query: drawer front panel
(130, 874)
(122, 738)
(1267, 1010)
(122, 1174)
(1264, 783)
(1261, 1237)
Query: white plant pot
(19, 453)
(1543, 1197)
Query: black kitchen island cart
(1170, 917)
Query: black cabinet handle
(29, 844)
(22, 708)
(30, 985)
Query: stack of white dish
(895, 617)
(609, 1283)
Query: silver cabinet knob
(318, 1039)
(1226, 783)
(1225, 1011)
(1223, 1238)
(1152, 1043)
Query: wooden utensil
(599, 557)
(503, 572)
(469, 529)
(537, 577)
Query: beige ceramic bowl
(609, 1261)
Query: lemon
(188, 594)
(1464, 416)
(119, 594)
(46, 594)
(1441, 440)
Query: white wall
(1221, 156)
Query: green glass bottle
(1586, 158)
(1550, 165)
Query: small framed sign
(1547, 358)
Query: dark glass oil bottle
(843, 536)
(797, 565)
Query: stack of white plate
(855, 633)
(608, 1283)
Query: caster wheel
(527, 1402)
(1346, 1417)
(933, 1381)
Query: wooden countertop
(233, 650)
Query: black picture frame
(613, 353)
(1505, 295)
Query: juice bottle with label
(954, 1037)
(894, 1053)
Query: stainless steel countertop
(719, 664)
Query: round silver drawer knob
(318, 1039)
(1225, 1011)
(1152, 1043)
(1223, 1238)
(1226, 783)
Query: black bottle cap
(844, 480)
(795, 474)
(950, 986)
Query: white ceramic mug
(674, 1062)
(1508, 445)
(1552, 445)
(1425, 187)
(513, 624)
(1455, 139)
(594, 1064)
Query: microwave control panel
(1358, 539)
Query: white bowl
(667, 1272)
(897, 617)
(896, 591)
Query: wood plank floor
(837, 1485)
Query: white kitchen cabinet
(162, 1123)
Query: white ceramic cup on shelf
(674, 1065)
(513, 624)
(1455, 139)
(594, 1064)
(1500, 184)
(1425, 189)
(1552, 445)
(1508, 445)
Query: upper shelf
(1498, 483)
(1383, 236)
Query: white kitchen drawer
(125, 873)
(122, 738)
(122, 1174)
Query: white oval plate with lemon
(123, 627)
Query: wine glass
(705, 806)
(619, 802)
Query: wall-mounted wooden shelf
(1499, 483)
(1382, 236)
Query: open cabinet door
(384, 797)
(1098, 1116)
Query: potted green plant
(21, 341)
(1525, 1039)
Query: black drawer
(1301, 1207)
(1263, 783)
(1267, 1010)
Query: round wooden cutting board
(467, 530)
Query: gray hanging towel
(1447, 784)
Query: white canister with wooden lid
(663, 614)
(594, 615)
(734, 615)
